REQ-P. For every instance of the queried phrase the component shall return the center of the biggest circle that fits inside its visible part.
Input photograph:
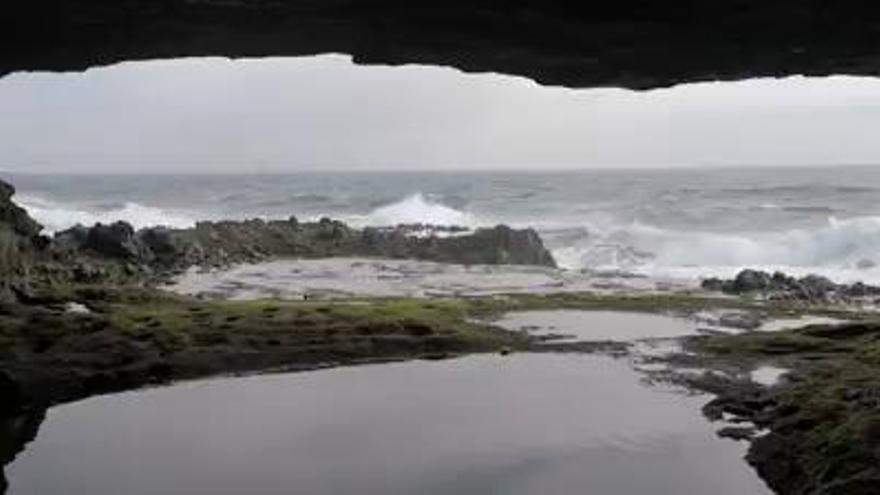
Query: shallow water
(526, 424)
(364, 277)
(581, 326)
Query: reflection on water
(526, 424)
(580, 325)
(16, 431)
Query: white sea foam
(589, 237)
(413, 209)
(845, 250)
(417, 208)
(57, 216)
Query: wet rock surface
(631, 43)
(818, 425)
(117, 253)
(14, 217)
(131, 338)
(822, 419)
(737, 433)
(779, 286)
(16, 431)
(218, 244)
(20, 245)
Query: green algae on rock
(823, 420)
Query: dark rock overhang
(627, 43)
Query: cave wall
(628, 43)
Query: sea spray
(418, 209)
(652, 223)
(55, 216)
(844, 250)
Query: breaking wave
(841, 248)
(581, 237)
(417, 208)
(56, 216)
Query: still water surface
(524, 424)
(592, 326)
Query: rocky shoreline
(816, 430)
(220, 244)
(80, 315)
(811, 289)
(128, 338)
(117, 254)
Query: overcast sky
(277, 115)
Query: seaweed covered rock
(20, 242)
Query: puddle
(596, 326)
(525, 424)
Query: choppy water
(679, 223)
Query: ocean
(680, 223)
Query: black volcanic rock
(117, 253)
(16, 431)
(627, 43)
(737, 433)
(20, 244)
(14, 217)
(116, 240)
(750, 281)
(90, 254)
(72, 239)
(811, 288)
(221, 243)
(501, 245)
(159, 242)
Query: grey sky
(276, 115)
